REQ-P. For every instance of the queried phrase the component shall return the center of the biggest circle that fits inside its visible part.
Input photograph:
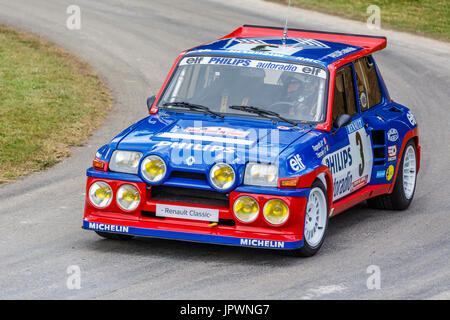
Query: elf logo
(296, 163)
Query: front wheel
(405, 184)
(316, 220)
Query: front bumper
(194, 234)
(259, 234)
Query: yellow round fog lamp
(246, 209)
(128, 197)
(276, 211)
(100, 194)
(153, 169)
(222, 176)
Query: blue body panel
(311, 51)
(357, 155)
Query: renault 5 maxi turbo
(255, 140)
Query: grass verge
(49, 101)
(425, 17)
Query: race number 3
(361, 151)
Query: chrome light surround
(153, 168)
(125, 161)
(100, 194)
(222, 176)
(128, 197)
(246, 209)
(276, 212)
(261, 174)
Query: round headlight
(128, 197)
(276, 211)
(100, 194)
(153, 169)
(246, 209)
(222, 176)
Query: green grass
(49, 101)
(425, 17)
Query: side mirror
(150, 101)
(342, 121)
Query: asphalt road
(132, 45)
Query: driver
(299, 91)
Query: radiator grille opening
(188, 175)
(378, 152)
(378, 137)
(188, 195)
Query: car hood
(195, 142)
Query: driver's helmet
(296, 85)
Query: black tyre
(405, 183)
(316, 221)
(114, 236)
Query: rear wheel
(316, 220)
(114, 236)
(405, 184)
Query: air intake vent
(378, 137)
(188, 195)
(188, 175)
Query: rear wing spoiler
(372, 43)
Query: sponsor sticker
(392, 153)
(355, 125)
(359, 182)
(339, 53)
(392, 135)
(321, 148)
(191, 213)
(258, 64)
(381, 174)
(223, 131)
(261, 243)
(411, 118)
(363, 100)
(108, 227)
(296, 163)
(389, 172)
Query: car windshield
(294, 91)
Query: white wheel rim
(315, 217)
(409, 172)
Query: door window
(369, 92)
(344, 93)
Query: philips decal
(196, 146)
(229, 61)
(339, 161)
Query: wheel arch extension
(323, 174)
(410, 135)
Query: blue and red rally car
(255, 140)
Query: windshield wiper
(262, 112)
(191, 106)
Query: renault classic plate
(191, 213)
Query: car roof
(309, 46)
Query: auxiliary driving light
(222, 176)
(128, 197)
(100, 194)
(276, 211)
(246, 209)
(153, 169)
